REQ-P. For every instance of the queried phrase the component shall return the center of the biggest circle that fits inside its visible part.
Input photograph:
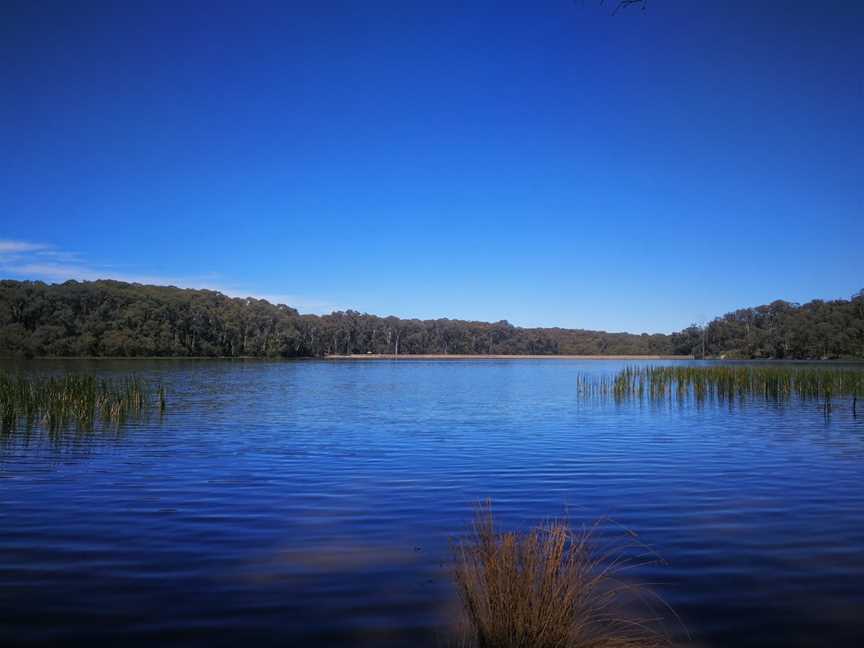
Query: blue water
(313, 503)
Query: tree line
(781, 329)
(113, 318)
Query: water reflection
(283, 503)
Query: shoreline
(468, 356)
(443, 356)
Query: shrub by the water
(551, 587)
(71, 400)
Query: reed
(726, 383)
(57, 402)
(551, 587)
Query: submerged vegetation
(726, 383)
(552, 587)
(57, 402)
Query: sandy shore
(454, 356)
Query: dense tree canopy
(817, 329)
(112, 318)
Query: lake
(313, 503)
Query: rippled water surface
(312, 503)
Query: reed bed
(726, 383)
(58, 402)
(552, 587)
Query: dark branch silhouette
(626, 4)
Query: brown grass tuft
(552, 587)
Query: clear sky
(541, 162)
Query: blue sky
(541, 162)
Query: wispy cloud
(18, 247)
(45, 262)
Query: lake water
(312, 504)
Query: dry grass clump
(552, 587)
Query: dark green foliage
(817, 329)
(112, 318)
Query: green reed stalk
(727, 383)
(56, 402)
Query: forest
(113, 318)
(781, 329)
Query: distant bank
(479, 356)
(113, 318)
